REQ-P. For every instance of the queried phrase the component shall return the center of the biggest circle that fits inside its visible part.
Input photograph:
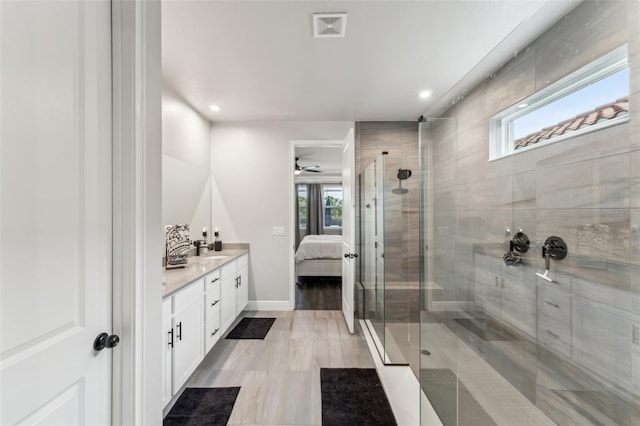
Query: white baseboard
(268, 305)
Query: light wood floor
(280, 375)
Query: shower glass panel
(372, 247)
(440, 295)
(384, 264)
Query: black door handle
(105, 340)
(179, 326)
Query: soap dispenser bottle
(217, 243)
(204, 247)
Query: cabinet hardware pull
(555, 305)
(215, 303)
(180, 330)
(553, 334)
(214, 280)
(171, 338)
(240, 280)
(214, 332)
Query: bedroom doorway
(317, 225)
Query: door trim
(137, 223)
(292, 217)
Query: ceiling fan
(297, 169)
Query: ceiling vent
(326, 25)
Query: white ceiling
(259, 61)
(328, 158)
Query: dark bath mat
(353, 396)
(202, 406)
(251, 328)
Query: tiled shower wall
(572, 347)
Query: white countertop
(198, 266)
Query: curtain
(297, 227)
(314, 209)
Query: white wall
(186, 168)
(250, 166)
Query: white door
(348, 228)
(55, 235)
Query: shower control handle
(350, 255)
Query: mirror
(186, 167)
(186, 196)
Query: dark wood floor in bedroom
(319, 293)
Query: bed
(319, 256)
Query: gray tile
(566, 186)
(513, 82)
(586, 33)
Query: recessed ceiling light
(214, 108)
(425, 94)
(523, 105)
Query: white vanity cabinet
(234, 289)
(195, 317)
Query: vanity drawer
(186, 296)
(212, 278)
(555, 335)
(212, 299)
(555, 304)
(213, 330)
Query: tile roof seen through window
(602, 113)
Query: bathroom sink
(213, 257)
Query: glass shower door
(439, 347)
(372, 264)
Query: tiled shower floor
(484, 397)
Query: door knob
(105, 340)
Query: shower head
(404, 174)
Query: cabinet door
(188, 341)
(242, 271)
(167, 351)
(228, 288)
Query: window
(329, 208)
(302, 206)
(332, 201)
(592, 98)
